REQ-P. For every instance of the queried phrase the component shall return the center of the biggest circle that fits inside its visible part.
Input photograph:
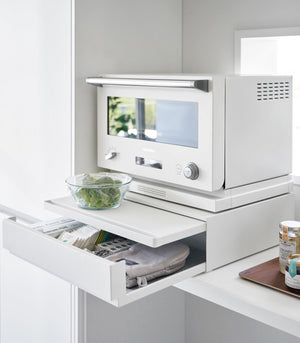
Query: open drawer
(102, 278)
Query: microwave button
(191, 171)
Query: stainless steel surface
(191, 171)
(110, 155)
(199, 84)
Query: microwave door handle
(202, 85)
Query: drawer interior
(195, 264)
(96, 275)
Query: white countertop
(224, 287)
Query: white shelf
(224, 287)
(143, 224)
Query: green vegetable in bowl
(106, 196)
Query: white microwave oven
(199, 133)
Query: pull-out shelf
(98, 276)
(140, 223)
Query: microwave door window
(177, 123)
(121, 117)
(132, 118)
(164, 121)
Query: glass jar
(292, 271)
(289, 241)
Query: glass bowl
(98, 191)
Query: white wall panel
(297, 205)
(208, 29)
(159, 318)
(35, 156)
(35, 305)
(35, 102)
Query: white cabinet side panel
(237, 233)
(231, 326)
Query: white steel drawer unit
(99, 276)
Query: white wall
(35, 102)
(297, 194)
(35, 158)
(208, 28)
(159, 318)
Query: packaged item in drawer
(113, 246)
(55, 227)
(144, 263)
(83, 237)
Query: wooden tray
(268, 274)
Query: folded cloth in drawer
(144, 263)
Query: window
(275, 51)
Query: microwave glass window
(163, 121)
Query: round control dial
(191, 171)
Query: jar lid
(292, 257)
(290, 224)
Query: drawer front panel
(95, 275)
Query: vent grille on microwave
(152, 191)
(273, 90)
